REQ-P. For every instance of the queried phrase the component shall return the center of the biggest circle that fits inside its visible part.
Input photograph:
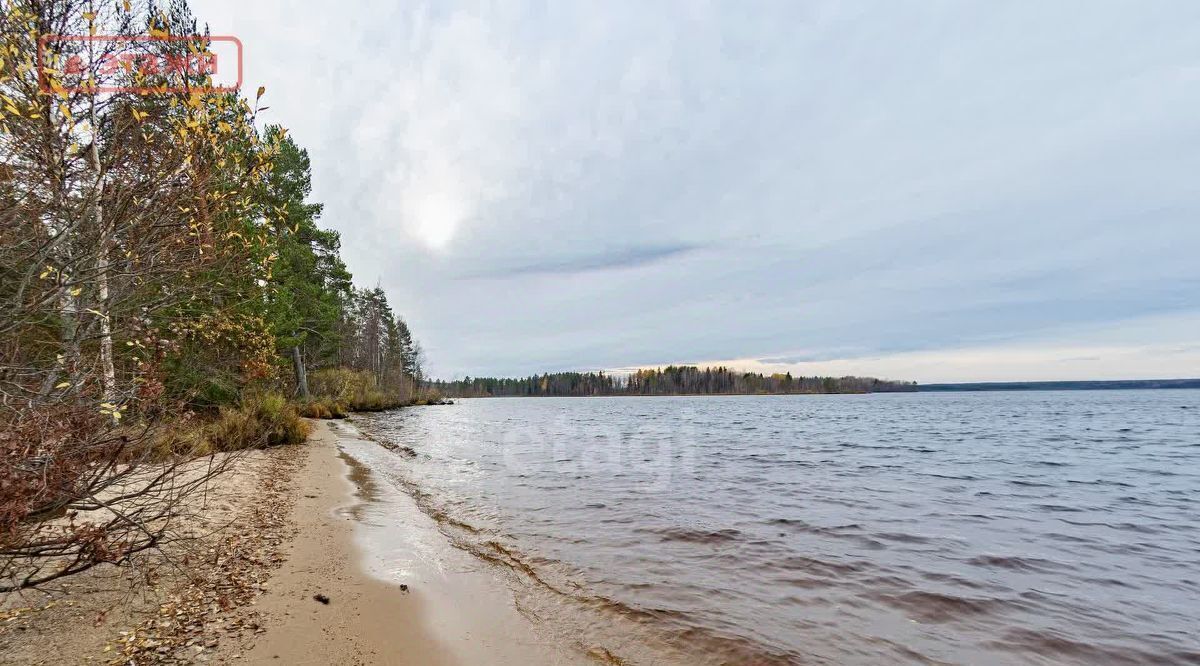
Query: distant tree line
(672, 380)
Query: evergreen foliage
(671, 380)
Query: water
(974, 528)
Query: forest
(166, 290)
(671, 380)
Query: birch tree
(128, 238)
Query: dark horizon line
(1063, 385)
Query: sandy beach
(448, 610)
(300, 590)
(365, 620)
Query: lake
(974, 528)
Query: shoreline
(288, 524)
(423, 604)
(365, 620)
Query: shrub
(322, 408)
(430, 397)
(260, 420)
(354, 390)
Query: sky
(959, 190)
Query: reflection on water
(997, 528)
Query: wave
(807, 551)
(1012, 563)
(682, 634)
(1050, 643)
(688, 535)
(811, 565)
(936, 607)
(676, 628)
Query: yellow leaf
(62, 385)
(261, 91)
(76, 291)
(126, 5)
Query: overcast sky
(938, 191)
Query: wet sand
(452, 612)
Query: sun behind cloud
(434, 218)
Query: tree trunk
(108, 381)
(70, 339)
(108, 374)
(301, 374)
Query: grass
(337, 391)
(322, 408)
(428, 397)
(261, 419)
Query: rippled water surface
(974, 528)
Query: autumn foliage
(164, 288)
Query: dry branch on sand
(186, 602)
(72, 498)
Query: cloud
(620, 258)
(996, 364)
(630, 183)
(785, 360)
